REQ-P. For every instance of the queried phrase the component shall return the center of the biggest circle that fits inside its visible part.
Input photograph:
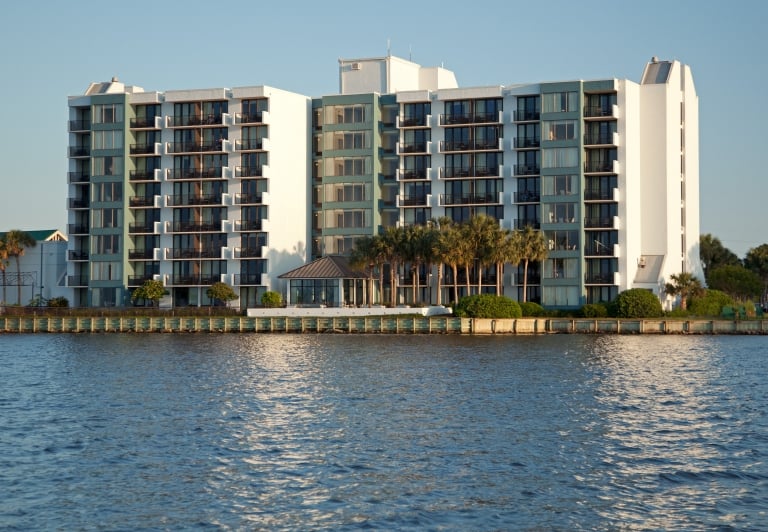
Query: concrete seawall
(374, 325)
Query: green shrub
(487, 306)
(271, 299)
(530, 309)
(638, 303)
(58, 302)
(678, 313)
(594, 310)
(710, 304)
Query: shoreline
(401, 324)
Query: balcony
(79, 151)
(141, 228)
(245, 199)
(469, 118)
(413, 200)
(248, 225)
(77, 255)
(138, 280)
(527, 169)
(599, 167)
(142, 175)
(249, 144)
(600, 195)
(141, 201)
(193, 227)
(188, 200)
(412, 147)
(527, 197)
(141, 254)
(196, 173)
(522, 223)
(532, 279)
(147, 148)
(412, 121)
(522, 143)
(196, 147)
(144, 123)
(249, 171)
(193, 253)
(195, 279)
(601, 111)
(526, 116)
(248, 253)
(77, 280)
(476, 145)
(79, 125)
(77, 229)
(469, 199)
(457, 172)
(596, 248)
(412, 174)
(196, 120)
(600, 222)
(599, 278)
(79, 203)
(600, 139)
(245, 118)
(80, 176)
(243, 279)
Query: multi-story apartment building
(188, 186)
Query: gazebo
(328, 281)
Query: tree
(685, 285)
(392, 251)
(710, 303)
(756, 260)
(366, 255)
(482, 233)
(713, 255)
(531, 248)
(3, 264)
(736, 281)
(440, 249)
(487, 306)
(637, 303)
(271, 299)
(16, 241)
(221, 292)
(151, 290)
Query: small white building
(41, 272)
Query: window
(348, 140)
(559, 185)
(349, 114)
(105, 244)
(559, 102)
(111, 113)
(348, 166)
(560, 296)
(106, 271)
(107, 192)
(107, 140)
(560, 212)
(560, 129)
(347, 192)
(107, 165)
(562, 240)
(341, 219)
(560, 157)
(561, 268)
(103, 218)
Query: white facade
(41, 272)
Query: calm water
(297, 432)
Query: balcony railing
(79, 203)
(527, 142)
(248, 225)
(195, 279)
(527, 197)
(249, 144)
(249, 171)
(598, 249)
(527, 169)
(79, 176)
(452, 172)
(522, 223)
(449, 146)
(138, 254)
(468, 118)
(598, 166)
(194, 253)
(143, 123)
(413, 147)
(465, 199)
(138, 280)
(197, 120)
(193, 227)
(599, 195)
(244, 198)
(598, 222)
(242, 279)
(147, 148)
(526, 116)
(413, 121)
(141, 175)
(413, 200)
(532, 279)
(186, 199)
(141, 227)
(599, 278)
(195, 173)
(598, 139)
(79, 125)
(245, 118)
(77, 280)
(141, 201)
(420, 173)
(77, 229)
(596, 111)
(75, 254)
(79, 151)
(193, 147)
(248, 253)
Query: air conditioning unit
(355, 66)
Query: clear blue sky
(52, 49)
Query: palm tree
(685, 285)
(481, 232)
(532, 248)
(465, 252)
(440, 249)
(392, 252)
(451, 239)
(366, 254)
(16, 241)
(3, 264)
(503, 251)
